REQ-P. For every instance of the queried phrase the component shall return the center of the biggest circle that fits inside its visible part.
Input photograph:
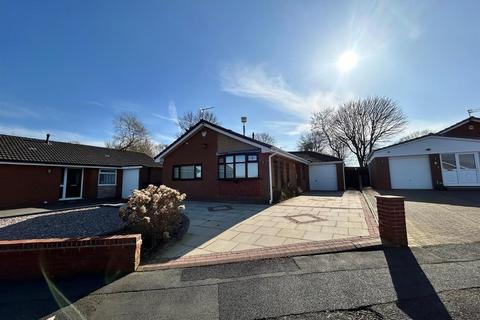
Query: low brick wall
(59, 258)
(392, 225)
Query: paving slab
(234, 227)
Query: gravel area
(85, 222)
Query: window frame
(245, 163)
(195, 165)
(109, 173)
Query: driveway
(231, 227)
(440, 217)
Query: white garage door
(410, 172)
(323, 177)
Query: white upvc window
(107, 177)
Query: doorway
(71, 184)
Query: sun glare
(347, 61)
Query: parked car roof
(313, 156)
(30, 150)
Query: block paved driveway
(228, 227)
(440, 217)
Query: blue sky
(68, 67)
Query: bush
(289, 192)
(155, 212)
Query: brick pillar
(391, 220)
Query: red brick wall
(203, 150)
(110, 256)
(436, 171)
(22, 186)
(294, 176)
(392, 225)
(380, 173)
(156, 176)
(465, 130)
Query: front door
(71, 187)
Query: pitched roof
(438, 134)
(21, 149)
(313, 156)
(453, 126)
(231, 133)
(216, 126)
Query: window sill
(107, 185)
(238, 179)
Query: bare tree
(362, 124)
(189, 119)
(311, 141)
(265, 137)
(322, 124)
(415, 134)
(131, 135)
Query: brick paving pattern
(439, 217)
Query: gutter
(270, 175)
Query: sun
(347, 61)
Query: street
(438, 282)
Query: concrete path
(439, 217)
(230, 227)
(439, 282)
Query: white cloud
(95, 103)
(255, 82)
(163, 138)
(9, 110)
(172, 113)
(291, 128)
(56, 135)
(417, 125)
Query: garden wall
(60, 258)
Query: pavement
(438, 217)
(436, 282)
(232, 227)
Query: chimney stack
(47, 141)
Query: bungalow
(210, 162)
(448, 158)
(35, 172)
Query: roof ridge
(69, 143)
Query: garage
(323, 177)
(411, 172)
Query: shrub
(155, 212)
(289, 192)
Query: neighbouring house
(35, 172)
(210, 162)
(448, 158)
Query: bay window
(238, 166)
